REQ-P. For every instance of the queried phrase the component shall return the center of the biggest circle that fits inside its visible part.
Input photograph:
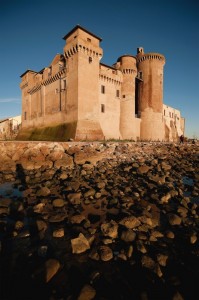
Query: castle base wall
(130, 129)
(152, 126)
(88, 130)
(47, 120)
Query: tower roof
(82, 28)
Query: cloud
(10, 100)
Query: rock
(42, 251)
(77, 219)
(174, 219)
(52, 267)
(141, 247)
(89, 193)
(39, 226)
(101, 185)
(146, 220)
(130, 222)
(148, 262)
(141, 236)
(130, 251)
(23, 234)
(98, 195)
(143, 169)
(65, 162)
(80, 244)
(157, 234)
(162, 259)
(107, 241)
(94, 255)
(43, 192)
(177, 296)
(58, 233)
(74, 198)
(19, 225)
(143, 228)
(165, 198)
(158, 270)
(38, 208)
(74, 185)
(58, 203)
(87, 293)
(57, 217)
(128, 235)
(170, 235)
(46, 271)
(106, 253)
(122, 256)
(94, 276)
(87, 167)
(110, 229)
(193, 238)
(165, 166)
(63, 176)
(182, 211)
(5, 202)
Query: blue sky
(31, 34)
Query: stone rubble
(128, 212)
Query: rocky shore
(102, 221)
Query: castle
(79, 98)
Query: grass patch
(62, 132)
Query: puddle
(188, 181)
(7, 190)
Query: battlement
(151, 56)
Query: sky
(31, 33)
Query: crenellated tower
(150, 99)
(83, 53)
(127, 65)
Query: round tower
(128, 68)
(150, 99)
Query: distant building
(80, 98)
(174, 123)
(9, 127)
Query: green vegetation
(62, 132)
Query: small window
(140, 75)
(164, 112)
(102, 108)
(117, 93)
(123, 96)
(88, 40)
(61, 66)
(90, 59)
(63, 84)
(50, 71)
(25, 115)
(102, 89)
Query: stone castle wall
(93, 101)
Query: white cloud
(10, 100)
